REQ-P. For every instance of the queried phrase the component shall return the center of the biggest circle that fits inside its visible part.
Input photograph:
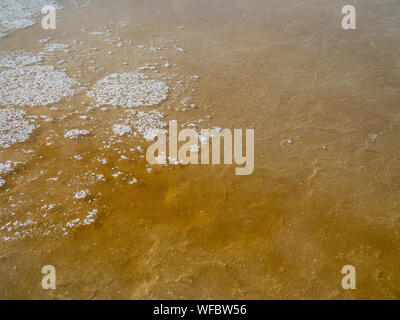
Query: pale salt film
(81, 194)
(14, 127)
(18, 58)
(36, 85)
(2, 182)
(129, 90)
(121, 129)
(57, 47)
(7, 167)
(76, 133)
(91, 216)
(147, 123)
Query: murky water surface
(76, 191)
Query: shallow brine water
(76, 191)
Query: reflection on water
(76, 191)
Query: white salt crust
(14, 127)
(129, 90)
(33, 86)
(121, 129)
(7, 167)
(81, 194)
(18, 58)
(76, 133)
(57, 47)
(146, 122)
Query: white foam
(15, 126)
(129, 90)
(36, 85)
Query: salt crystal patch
(36, 85)
(121, 129)
(57, 47)
(90, 217)
(129, 90)
(76, 133)
(147, 123)
(134, 180)
(14, 127)
(7, 167)
(18, 58)
(81, 194)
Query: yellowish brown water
(328, 198)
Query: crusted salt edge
(7, 167)
(121, 129)
(36, 85)
(57, 47)
(18, 58)
(130, 89)
(145, 123)
(81, 194)
(76, 133)
(14, 127)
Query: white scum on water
(121, 129)
(15, 126)
(145, 122)
(6, 168)
(33, 86)
(130, 89)
(18, 58)
(76, 133)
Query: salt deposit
(121, 129)
(7, 167)
(18, 58)
(15, 126)
(145, 122)
(36, 85)
(75, 133)
(81, 194)
(91, 216)
(57, 47)
(129, 90)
